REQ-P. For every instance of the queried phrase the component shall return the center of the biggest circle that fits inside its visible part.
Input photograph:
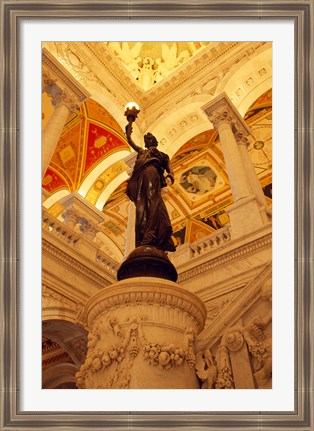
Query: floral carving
(233, 340)
(260, 346)
(98, 360)
(257, 337)
(224, 375)
(170, 355)
(152, 352)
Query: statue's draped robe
(153, 225)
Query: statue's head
(150, 140)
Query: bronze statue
(153, 225)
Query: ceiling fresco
(89, 136)
(151, 62)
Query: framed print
(226, 89)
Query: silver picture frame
(13, 13)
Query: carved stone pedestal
(141, 335)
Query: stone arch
(57, 307)
(71, 337)
(59, 376)
(244, 87)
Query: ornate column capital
(70, 217)
(221, 109)
(88, 228)
(66, 99)
(58, 82)
(59, 96)
(241, 138)
(219, 116)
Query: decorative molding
(217, 305)
(58, 74)
(234, 311)
(74, 264)
(227, 257)
(154, 297)
(51, 297)
(200, 62)
(221, 109)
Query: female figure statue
(153, 225)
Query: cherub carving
(206, 369)
(129, 56)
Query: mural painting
(215, 221)
(198, 180)
(179, 237)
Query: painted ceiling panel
(53, 181)
(100, 144)
(89, 136)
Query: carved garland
(122, 355)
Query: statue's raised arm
(128, 132)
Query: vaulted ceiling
(170, 81)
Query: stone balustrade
(106, 262)
(219, 237)
(185, 254)
(80, 242)
(188, 251)
(56, 227)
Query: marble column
(245, 215)
(64, 106)
(222, 117)
(67, 95)
(243, 144)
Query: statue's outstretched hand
(170, 177)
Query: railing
(59, 229)
(79, 242)
(216, 239)
(188, 251)
(106, 262)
